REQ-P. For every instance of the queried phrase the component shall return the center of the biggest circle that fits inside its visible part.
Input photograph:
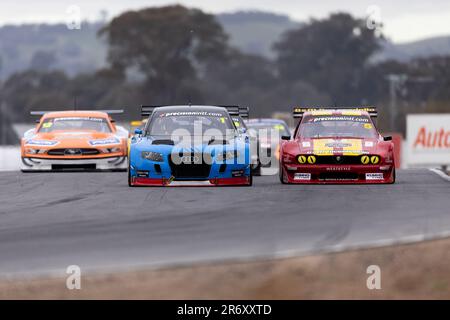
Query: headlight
(99, 142)
(33, 142)
(153, 156)
(227, 155)
(34, 151)
(311, 159)
(375, 159)
(301, 159)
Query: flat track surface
(51, 220)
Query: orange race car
(75, 140)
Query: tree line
(179, 55)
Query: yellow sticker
(222, 120)
(321, 113)
(237, 124)
(278, 127)
(351, 113)
(367, 126)
(47, 125)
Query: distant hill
(416, 49)
(49, 47)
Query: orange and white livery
(75, 140)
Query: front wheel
(130, 184)
(250, 183)
(281, 174)
(393, 176)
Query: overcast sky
(404, 20)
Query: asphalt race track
(49, 221)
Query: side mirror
(285, 137)
(387, 138)
(138, 131)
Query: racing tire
(281, 175)
(251, 179)
(394, 176)
(257, 170)
(130, 184)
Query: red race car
(336, 145)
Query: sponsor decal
(346, 147)
(41, 143)
(306, 144)
(302, 176)
(368, 126)
(192, 113)
(338, 169)
(368, 144)
(99, 142)
(79, 118)
(338, 144)
(374, 176)
(237, 173)
(361, 119)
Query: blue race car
(189, 145)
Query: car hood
(341, 146)
(72, 135)
(164, 145)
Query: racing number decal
(365, 159)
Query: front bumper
(30, 164)
(338, 174)
(162, 182)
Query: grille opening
(336, 160)
(157, 168)
(73, 152)
(222, 168)
(338, 176)
(72, 167)
(191, 170)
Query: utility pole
(397, 84)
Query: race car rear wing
(146, 111)
(243, 112)
(299, 111)
(41, 113)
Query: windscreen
(75, 124)
(191, 122)
(337, 126)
